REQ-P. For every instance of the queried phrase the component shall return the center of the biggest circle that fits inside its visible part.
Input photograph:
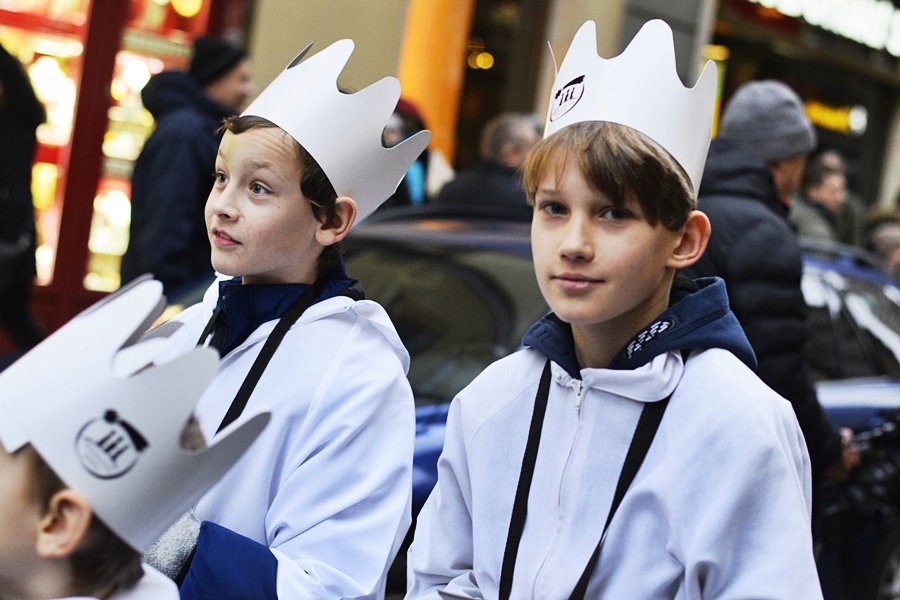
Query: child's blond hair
(621, 163)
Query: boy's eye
(551, 208)
(615, 214)
(258, 189)
(220, 177)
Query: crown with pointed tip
(341, 131)
(640, 89)
(109, 423)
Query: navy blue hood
(698, 318)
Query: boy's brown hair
(313, 183)
(621, 163)
(102, 560)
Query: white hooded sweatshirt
(719, 509)
(327, 485)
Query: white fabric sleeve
(440, 559)
(749, 492)
(341, 511)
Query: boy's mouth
(574, 282)
(222, 239)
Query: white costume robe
(719, 509)
(327, 486)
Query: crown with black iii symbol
(341, 131)
(109, 422)
(640, 89)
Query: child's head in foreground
(54, 546)
(99, 454)
(613, 186)
(300, 166)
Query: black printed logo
(567, 97)
(640, 340)
(109, 446)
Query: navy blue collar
(698, 318)
(243, 308)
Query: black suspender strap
(210, 325)
(284, 324)
(649, 421)
(354, 291)
(644, 433)
(520, 507)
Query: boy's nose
(577, 242)
(221, 203)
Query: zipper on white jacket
(579, 394)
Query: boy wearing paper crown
(318, 508)
(628, 451)
(93, 464)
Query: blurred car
(854, 350)
(854, 357)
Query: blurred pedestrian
(850, 221)
(428, 174)
(816, 209)
(753, 168)
(20, 114)
(496, 180)
(174, 172)
(883, 238)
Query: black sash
(651, 415)
(284, 324)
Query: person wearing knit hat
(173, 173)
(213, 57)
(753, 168)
(223, 71)
(766, 120)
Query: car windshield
(456, 308)
(854, 322)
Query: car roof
(454, 226)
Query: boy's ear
(338, 228)
(64, 524)
(694, 237)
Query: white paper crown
(341, 131)
(640, 89)
(109, 424)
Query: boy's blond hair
(102, 560)
(621, 163)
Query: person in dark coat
(506, 141)
(753, 167)
(20, 114)
(816, 210)
(173, 175)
